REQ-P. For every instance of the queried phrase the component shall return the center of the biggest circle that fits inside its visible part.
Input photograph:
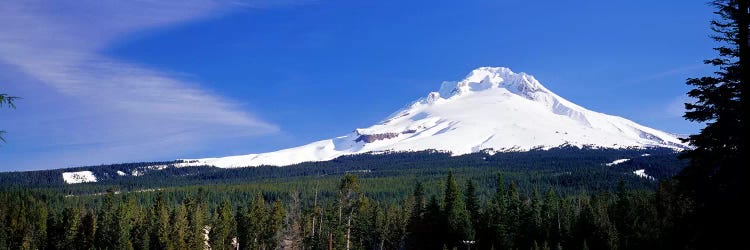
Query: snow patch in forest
(78, 177)
(615, 162)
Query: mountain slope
(492, 108)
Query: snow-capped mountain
(492, 108)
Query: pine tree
(179, 222)
(251, 228)
(416, 225)
(106, 233)
(70, 225)
(348, 195)
(512, 218)
(196, 224)
(273, 226)
(160, 227)
(472, 204)
(497, 214)
(551, 223)
(6, 99)
(717, 177)
(457, 218)
(436, 224)
(223, 228)
(125, 220)
(85, 237)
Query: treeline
(584, 163)
(455, 218)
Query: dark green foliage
(511, 217)
(570, 170)
(179, 225)
(458, 223)
(472, 204)
(160, 227)
(223, 227)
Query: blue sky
(121, 81)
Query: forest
(453, 217)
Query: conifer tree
(6, 99)
(71, 219)
(252, 227)
(274, 225)
(457, 218)
(223, 227)
(85, 235)
(160, 227)
(472, 204)
(179, 222)
(196, 224)
(348, 195)
(106, 235)
(717, 177)
(416, 225)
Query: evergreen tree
(274, 225)
(6, 99)
(223, 228)
(495, 231)
(416, 225)
(457, 218)
(86, 232)
(71, 220)
(717, 177)
(348, 195)
(125, 221)
(141, 233)
(512, 218)
(551, 224)
(436, 223)
(251, 228)
(106, 233)
(472, 204)
(179, 222)
(196, 224)
(160, 226)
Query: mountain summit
(493, 108)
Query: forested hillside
(568, 169)
(451, 215)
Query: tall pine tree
(458, 224)
(717, 177)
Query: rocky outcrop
(375, 137)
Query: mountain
(492, 109)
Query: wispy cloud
(127, 108)
(668, 72)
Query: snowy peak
(486, 78)
(492, 108)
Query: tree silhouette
(717, 176)
(8, 100)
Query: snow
(492, 109)
(642, 173)
(78, 177)
(644, 155)
(120, 173)
(615, 162)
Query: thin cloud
(667, 73)
(134, 109)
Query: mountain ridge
(492, 108)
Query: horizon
(166, 81)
